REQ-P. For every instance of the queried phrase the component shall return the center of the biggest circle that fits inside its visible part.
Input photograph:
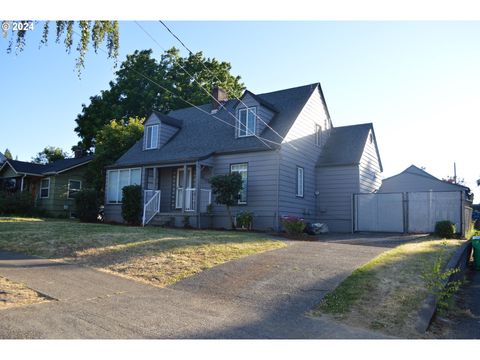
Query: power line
(201, 86)
(216, 78)
(263, 140)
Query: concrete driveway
(261, 296)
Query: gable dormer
(158, 130)
(253, 114)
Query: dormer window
(151, 135)
(246, 126)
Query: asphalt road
(261, 296)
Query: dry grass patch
(13, 294)
(156, 256)
(385, 293)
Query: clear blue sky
(418, 82)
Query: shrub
(245, 219)
(293, 225)
(18, 203)
(186, 222)
(87, 204)
(132, 204)
(436, 280)
(445, 229)
(226, 189)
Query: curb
(429, 306)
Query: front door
(179, 194)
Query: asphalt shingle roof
(201, 134)
(40, 169)
(345, 145)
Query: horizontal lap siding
(302, 137)
(113, 213)
(261, 188)
(57, 203)
(370, 178)
(336, 186)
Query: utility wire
(203, 88)
(216, 78)
(263, 140)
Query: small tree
(132, 204)
(226, 189)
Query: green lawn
(157, 256)
(385, 293)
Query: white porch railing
(151, 205)
(191, 199)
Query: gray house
(292, 161)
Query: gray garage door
(379, 212)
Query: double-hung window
(151, 137)
(118, 179)
(300, 181)
(45, 188)
(242, 169)
(74, 186)
(246, 125)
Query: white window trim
(239, 202)
(247, 132)
(155, 128)
(180, 186)
(68, 188)
(300, 184)
(118, 182)
(43, 188)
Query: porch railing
(191, 199)
(151, 205)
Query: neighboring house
(415, 179)
(52, 186)
(276, 145)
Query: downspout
(21, 184)
(277, 217)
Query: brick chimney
(220, 95)
(78, 152)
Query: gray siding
(370, 173)
(261, 189)
(302, 137)
(166, 133)
(113, 213)
(264, 115)
(336, 185)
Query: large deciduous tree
(89, 32)
(137, 89)
(49, 155)
(113, 140)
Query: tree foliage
(8, 154)
(89, 32)
(226, 189)
(131, 94)
(113, 140)
(49, 154)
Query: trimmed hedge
(18, 203)
(132, 204)
(87, 204)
